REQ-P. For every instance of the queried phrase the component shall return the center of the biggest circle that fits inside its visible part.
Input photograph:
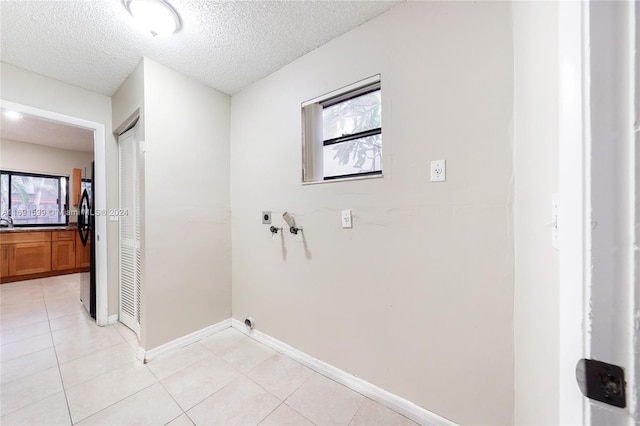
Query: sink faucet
(8, 220)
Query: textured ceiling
(35, 130)
(225, 44)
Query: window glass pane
(355, 156)
(351, 116)
(37, 200)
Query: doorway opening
(100, 188)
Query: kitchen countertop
(72, 227)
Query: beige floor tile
(24, 347)
(81, 319)
(373, 414)
(240, 403)
(83, 332)
(98, 393)
(74, 349)
(28, 364)
(20, 285)
(222, 340)
(22, 315)
(246, 355)
(51, 411)
(280, 375)
(27, 390)
(151, 406)
(61, 307)
(125, 331)
(52, 289)
(23, 308)
(195, 383)
(22, 333)
(77, 331)
(21, 295)
(175, 361)
(325, 402)
(96, 364)
(105, 385)
(134, 345)
(285, 416)
(182, 420)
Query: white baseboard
(140, 355)
(184, 340)
(112, 319)
(388, 399)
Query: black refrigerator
(86, 229)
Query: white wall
(187, 283)
(28, 88)
(28, 157)
(536, 302)
(417, 298)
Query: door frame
(100, 158)
(573, 220)
(597, 272)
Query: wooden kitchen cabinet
(63, 253)
(28, 253)
(77, 187)
(83, 253)
(4, 260)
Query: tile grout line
(209, 396)
(246, 375)
(23, 339)
(270, 412)
(170, 394)
(299, 413)
(111, 405)
(34, 402)
(356, 412)
(55, 351)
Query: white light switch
(438, 171)
(346, 218)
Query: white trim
(394, 402)
(140, 355)
(112, 319)
(184, 340)
(574, 218)
(357, 85)
(346, 179)
(100, 158)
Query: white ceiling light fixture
(12, 115)
(156, 16)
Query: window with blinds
(342, 133)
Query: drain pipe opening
(249, 322)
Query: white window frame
(312, 140)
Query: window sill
(347, 179)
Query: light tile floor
(58, 368)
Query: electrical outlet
(438, 171)
(346, 219)
(266, 218)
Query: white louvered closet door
(130, 253)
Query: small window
(342, 133)
(32, 199)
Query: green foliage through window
(352, 135)
(34, 199)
